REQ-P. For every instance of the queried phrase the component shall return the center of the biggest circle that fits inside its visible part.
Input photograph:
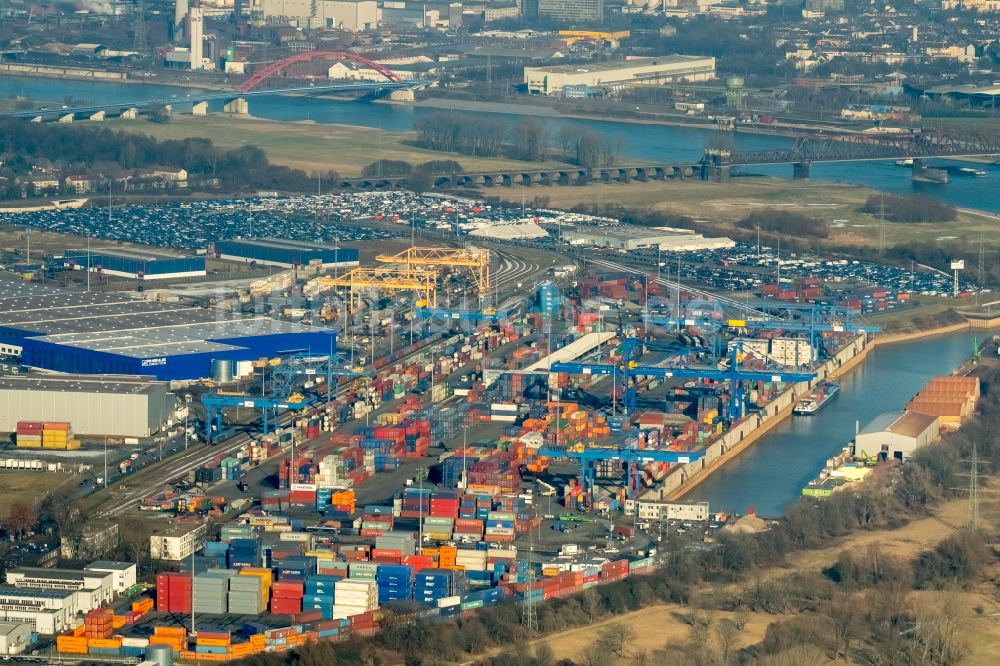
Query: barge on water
(817, 400)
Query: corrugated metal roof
(937, 408)
(913, 424)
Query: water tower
(735, 92)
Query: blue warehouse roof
(279, 250)
(115, 333)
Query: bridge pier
(800, 171)
(68, 118)
(130, 114)
(238, 106)
(199, 109)
(98, 116)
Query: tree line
(527, 139)
(108, 153)
(909, 209)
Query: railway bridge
(716, 164)
(915, 145)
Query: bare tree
(529, 139)
(135, 535)
(20, 519)
(725, 633)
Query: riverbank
(683, 480)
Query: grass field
(30, 487)
(653, 628)
(310, 146)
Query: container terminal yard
(381, 405)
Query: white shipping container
(301, 537)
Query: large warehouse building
(897, 435)
(135, 264)
(667, 239)
(553, 79)
(94, 404)
(113, 333)
(285, 253)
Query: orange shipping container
(215, 642)
(104, 642)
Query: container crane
(476, 259)
(633, 457)
(270, 409)
(818, 319)
(630, 371)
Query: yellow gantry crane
(474, 258)
(388, 279)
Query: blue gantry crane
(282, 394)
(634, 458)
(628, 372)
(302, 366)
(215, 404)
(810, 318)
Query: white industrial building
(15, 637)
(349, 15)
(92, 588)
(650, 509)
(124, 574)
(45, 611)
(667, 239)
(896, 435)
(553, 79)
(177, 541)
(93, 540)
(119, 405)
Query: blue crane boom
(270, 408)
(630, 456)
(629, 370)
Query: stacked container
(395, 583)
(231, 469)
(58, 435)
(246, 595)
(320, 595)
(433, 584)
(363, 570)
(286, 596)
(218, 552)
(173, 637)
(399, 543)
(99, 623)
(211, 591)
(244, 553)
(438, 528)
(298, 566)
(173, 592)
(354, 597)
(213, 641)
(29, 434)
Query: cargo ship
(817, 400)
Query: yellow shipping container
(28, 444)
(73, 445)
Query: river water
(771, 473)
(641, 142)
